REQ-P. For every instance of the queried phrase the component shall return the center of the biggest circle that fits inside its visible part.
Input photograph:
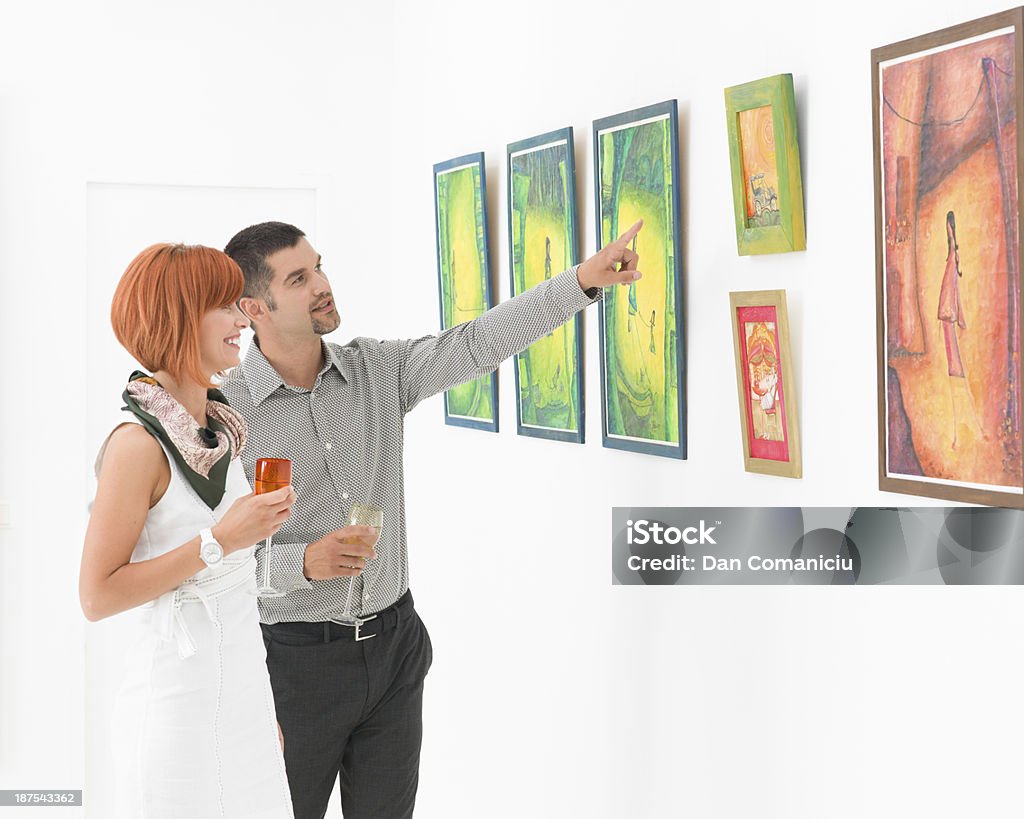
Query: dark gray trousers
(352, 710)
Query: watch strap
(206, 538)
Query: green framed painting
(636, 176)
(463, 277)
(542, 241)
(764, 154)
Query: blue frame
(440, 167)
(666, 450)
(564, 134)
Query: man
(349, 689)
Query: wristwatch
(210, 551)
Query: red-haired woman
(171, 538)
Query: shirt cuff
(571, 294)
(286, 563)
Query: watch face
(212, 552)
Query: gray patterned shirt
(344, 438)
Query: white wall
(553, 693)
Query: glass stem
(348, 597)
(266, 563)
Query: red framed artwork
(764, 383)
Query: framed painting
(463, 277)
(542, 242)
(947, 149)
(764, 382)
(764, 154)
(636, 176)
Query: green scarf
(202, 454)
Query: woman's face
(219, 333)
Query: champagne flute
(271, 474)
(362, 514)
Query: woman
(171, 538)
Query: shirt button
(366, 597)
(327, 445)
(344, 495)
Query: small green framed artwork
(767, 194)
(542, 241)
(643, 377)
(463, 277)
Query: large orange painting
(951, 279)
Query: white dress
(195, 730)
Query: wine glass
(362, 514)
(271, 474)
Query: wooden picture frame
(643, 386)
(543, 240)
(765, 383)
(947, 150)
(464, 277)
(764, 155)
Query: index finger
(627, 237)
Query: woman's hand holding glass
(253, 518)
(272, 474)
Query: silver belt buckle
(359, 623)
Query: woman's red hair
(161, 300)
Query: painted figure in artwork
(951, 314)
(769, 386)
(951, 311)
(634, 313)
(763, 371)
(633, 307)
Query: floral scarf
(203, 455)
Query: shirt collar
(331, 357)
(262, 379)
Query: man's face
(301, 292)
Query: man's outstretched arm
(432, 364)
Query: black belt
(363, 628)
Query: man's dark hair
(250, 249)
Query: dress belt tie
(168, 618)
